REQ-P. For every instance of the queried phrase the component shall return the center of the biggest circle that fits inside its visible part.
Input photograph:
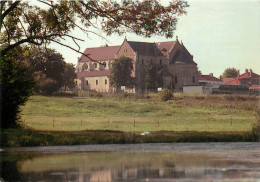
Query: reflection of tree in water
(9, 171)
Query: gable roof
(165, 47)
(182, 57)
(145, 48)
(100, 53)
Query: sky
(218, 33)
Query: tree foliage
(120, 73)
(50, 71)
(230, 73)
(150, 76)
(50, 63)
(16, 86)
(25, 22)
(69, 76)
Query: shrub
(165, 95)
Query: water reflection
(131, 166)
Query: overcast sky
(218, 33)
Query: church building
(173, 62)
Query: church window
(84, 67)
(105, 81)
(86, 82)
(96, 82)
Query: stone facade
(174, 64)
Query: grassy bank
(122, 118)
(19, 138)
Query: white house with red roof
(174, 64)
(208, 79)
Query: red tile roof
(100, 53)
(244, 79)
(208, 78)
(93, 73)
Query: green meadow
(130, 114)
(124, 118)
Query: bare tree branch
(87, 55)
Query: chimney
(211, 74)
(250, 74)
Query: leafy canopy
(121, 72)
(27, 22)
(230, 73)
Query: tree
(16, 86)
(23, 22)
(120, 73)
(69, 76)
(150, 76)
(230, 73)
(51, 64)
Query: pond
(133, 162)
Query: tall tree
(69, 76)
(121, 72)
(16, 86)
(50, 62)
(150, 76)
(230, 73)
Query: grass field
(122, 118)
(140, 114)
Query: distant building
(208, 79)
(248, 78)
(172, 60)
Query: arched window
(176, 79)
(105, 81)
(85, 66)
